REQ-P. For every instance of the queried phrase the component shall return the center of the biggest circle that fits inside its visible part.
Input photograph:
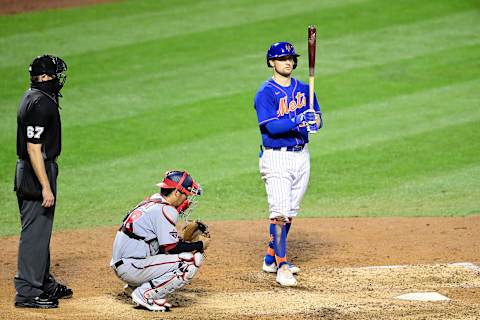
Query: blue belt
(293, 148)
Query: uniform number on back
(132, 217)
(34, 132)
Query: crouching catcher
(148, 254)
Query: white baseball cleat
(285, 277)
(160, 305)
(293, 268)
(272, 268)
(163, 302)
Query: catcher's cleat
(163, 302)
(272, 268)
(285, 277)
(159, 305)
(62, 292)
(128, 289)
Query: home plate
(423, 296)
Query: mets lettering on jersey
(273, 102)
(284, 107)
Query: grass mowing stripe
(326, 11)
(399, 42)
(399, 117)
(110, 32)
(432, 195)
(376, 83)
(372, 168)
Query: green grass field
(156, 85)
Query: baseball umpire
(38, 147)
(285, 121)
(148, 254)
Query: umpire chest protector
(38, 122)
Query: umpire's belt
(45, 161)
(293, 148)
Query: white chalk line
(467, 265)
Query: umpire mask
(52, 66)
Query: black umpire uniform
(38, 123)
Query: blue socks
(277, 246)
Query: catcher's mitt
(193, 230)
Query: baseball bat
(312, 42)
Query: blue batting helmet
(282, 49)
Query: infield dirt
(335, 282)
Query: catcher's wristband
(187, 247)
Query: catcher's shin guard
(160, 287)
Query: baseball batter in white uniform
(285, 121)
(147, 252)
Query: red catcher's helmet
(181, 181)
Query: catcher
(149, 255)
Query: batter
(285, 121)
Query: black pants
(33, 275)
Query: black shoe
(61, 292)
(44, 301)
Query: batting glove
(306, 116)
(312, 128)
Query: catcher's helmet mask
(282, 50)
(181, 181)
